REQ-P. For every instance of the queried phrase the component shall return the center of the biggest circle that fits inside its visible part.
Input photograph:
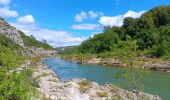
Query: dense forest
(150, 33)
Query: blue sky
(69, 22)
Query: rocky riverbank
(50, 85)
(148, 63)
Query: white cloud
(93, 14)
(85, 26)
(53, 37)
(80, 17)
(118, 20)
(133, 14)
(7, 12)
(5, 2)
(27, 19)
(111, 21)
(87, 15)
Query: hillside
(19, 37)
(17, 53)
(30, 41)
(151, 32)
(10, 32)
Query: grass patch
(117, 97)
(45, 98)
(44, 74)
(84, 85)
(102, 94)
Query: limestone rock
(11, 32)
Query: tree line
(151, 32)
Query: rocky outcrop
(151, 64)
(100, 61)
(158, 65)
(33, 51)
(11, 32)
(81, 89)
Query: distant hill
(65, 49)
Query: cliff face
(10, 32)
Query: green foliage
(151, 32)
(30, 41)
(14, 85)
(132, 63)
(4, 41)
(10, 54)
(161, 15)
(84, 85)
(17, 83)
(77, 57)
(100, 43)
(133, 77)
(130, 26)
(7, 58)
(102, 94)
(148, 35)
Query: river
(157, 83)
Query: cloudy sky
(69, 22)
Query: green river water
(157, 83)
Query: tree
(132, 72)
(151, 31)
(129, 24)
(161, 15)
(100, 42)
